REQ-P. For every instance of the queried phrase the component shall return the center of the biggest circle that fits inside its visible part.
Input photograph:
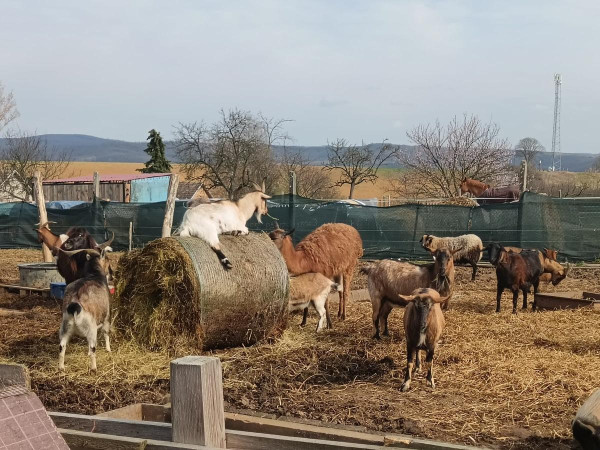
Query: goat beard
(258, 216)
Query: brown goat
(388, 278)
(554, 272)
(332, 249)
(423, 325)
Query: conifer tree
(156, 149)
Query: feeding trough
(567, 300)
(38, 275)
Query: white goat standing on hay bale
(207, 220)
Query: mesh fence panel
(571, 226)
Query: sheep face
(427, 242)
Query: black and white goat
(208, 220)
(86, 306)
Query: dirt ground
(503, 381)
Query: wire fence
(571, 226)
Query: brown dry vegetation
(503, 380)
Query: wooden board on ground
(24, 290)
(567, 300)
(357, 295)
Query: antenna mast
(556, 126)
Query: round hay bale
(174, 293)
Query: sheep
(207, 220)
(388, 278)
(311, 288)
(86, 306)
(586, 425)
(470, 245)
(423, 325)
(332, 249)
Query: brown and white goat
(86, 306)
(208, 220)
(423, 325)
(72, 267)
(46, 236)
(311, 288)
(388, 278)
(332, 249)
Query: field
(503, 380)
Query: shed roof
(117, 178)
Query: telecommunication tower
(556, 126)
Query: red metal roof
(118, 178)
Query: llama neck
(295, 260)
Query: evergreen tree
(156, 149)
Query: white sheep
(469, 246)
(311, 288)
(207, 220)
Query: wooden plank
(41, 205)
(197, 401)
(170, 205)
(16, 287)
(84, 440)
(117, 427)
(593, 295)
(561, 300)
(11, 312)
(96, 189)
(357, 295)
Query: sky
(360, 70)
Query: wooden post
(96, 185)
(170, 206)
(130, 235)
(524, 173)
(39, 200)
(293, 189)
(197, 401)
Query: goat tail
(366, 269)
(73, 308)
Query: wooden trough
(567, 300)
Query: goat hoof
(377, 337)
(405, 387)
(226, 264)
(514, 311)
(431, 383)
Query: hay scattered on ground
(502, 380)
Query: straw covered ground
(503, 381)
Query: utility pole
(556, 126)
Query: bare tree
(357, 164)
(311, 181)
(596, 165)
(528, 148)
(21, 155)
(446, 154)
(8, 107)
(231, 154)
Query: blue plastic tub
(57, 290)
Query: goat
(52, 241)
(554, 272)
(388, 278)
(516, 271)
(207, 220)
(86, 306)
(332, 249)
(311, 288)
(470, 245)
(586, 425)
(423, 326)
(71, 267)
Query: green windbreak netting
(571, 226)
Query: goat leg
(409, 367)
(66, 331)
(304, 317)
(474, 264)
(498, 297)
(515, 300)
(385, 311)
(376, 307)
(429, 362)
(525, 292)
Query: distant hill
(90, 148)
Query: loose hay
(174, 293)
(505, 381)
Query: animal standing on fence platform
(488, 194)
(207, 220)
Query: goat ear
(421, 240)
(407, 298)
(440, 299)
(263, 185)
(265, 196)
(290, 232)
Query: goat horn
(45, 224)
(263, 185)
(90, 251)
(276, 225)
(256, 186)
(107, 243)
